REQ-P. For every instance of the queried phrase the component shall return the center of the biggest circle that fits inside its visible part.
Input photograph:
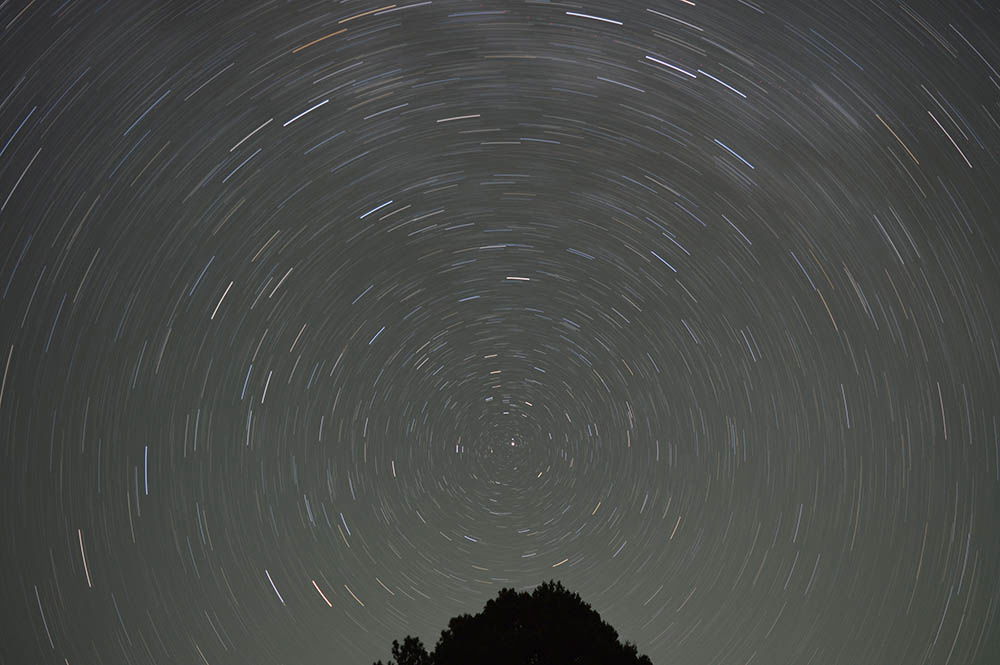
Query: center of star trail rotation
(322, 322)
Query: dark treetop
(550, 625)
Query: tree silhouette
(549, 626)
(412, 652)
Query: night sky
(321, 322)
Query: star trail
(321, 322)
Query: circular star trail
(322, 322)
